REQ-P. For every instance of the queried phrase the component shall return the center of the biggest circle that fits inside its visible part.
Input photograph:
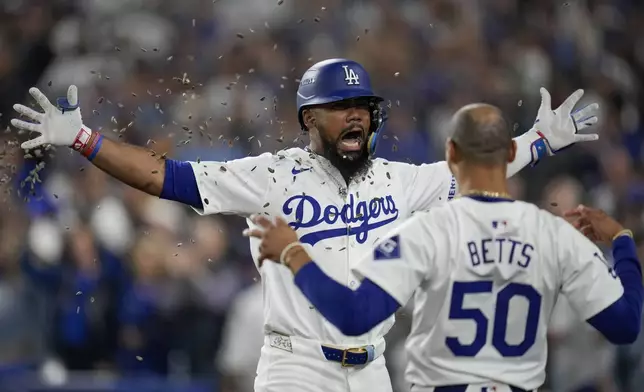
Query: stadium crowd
(97, 279)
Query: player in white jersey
(337, 198)
(486, 271)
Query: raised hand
(60, 125)
(595, 224)
(561, 126)
(277, 238)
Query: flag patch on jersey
(388, 249)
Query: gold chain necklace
(476, 192)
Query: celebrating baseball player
(337, 197)
(489, 271)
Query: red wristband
(82, 139)
(91, 145)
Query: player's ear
(451, 151)
(451, 154)
(308, 116)
(513, 152)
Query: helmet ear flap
(378, 118)
(373, 138)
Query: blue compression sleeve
(180, 184)
(353, 312)
(620, 323)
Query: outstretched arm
(209, 187)
(528, 151)
(137, 167)
(353, 312)
(149, 172)
(620, 322)
(62, 125)
(609, 299)
(390, 274)
(554, 130)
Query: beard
(351, 164)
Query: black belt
(463, 388)
(350, 356)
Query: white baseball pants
(291, 364)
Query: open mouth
(352, 140)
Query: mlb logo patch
(499, 224)
(389, 249)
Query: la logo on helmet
(350, 76)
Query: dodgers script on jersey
(338, 223)
(489, 273)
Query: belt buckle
(358, 350)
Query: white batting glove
(559, 128)
(60, 125)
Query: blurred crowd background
(105, 288)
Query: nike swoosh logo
(298, 171)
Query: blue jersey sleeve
(621, 321)
(180, 184)
(353, 312)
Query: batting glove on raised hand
(60, 125)
(560, 128)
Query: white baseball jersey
(339, 223)
(489, 274)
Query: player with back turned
(486, 271)
(336, 196)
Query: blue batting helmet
(336, 80)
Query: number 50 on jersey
(499, 323)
